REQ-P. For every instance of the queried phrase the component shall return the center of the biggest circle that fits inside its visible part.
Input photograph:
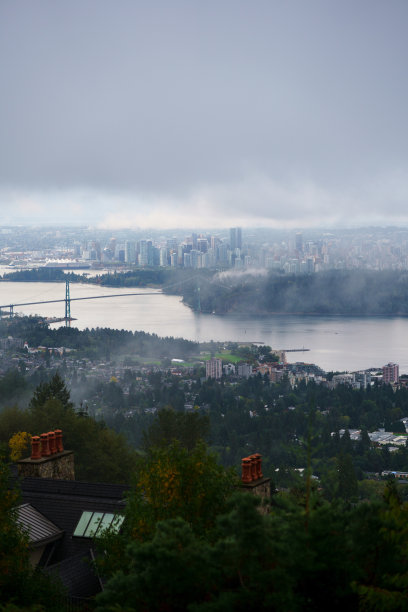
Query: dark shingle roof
(63, 501)
(75, 488)
(77, 575)
(40, 530)
(51, 511)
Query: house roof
(77, 574)
(41, 531)
(63, 501)
(50, 512)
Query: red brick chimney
(51, 442)
(258, 465)
(45, 449)
(48, 458)
(254, 482)
(254, 471)
(58, 440)
(246, 470)
(35, 447)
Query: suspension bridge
(9, 309)
(68, 299)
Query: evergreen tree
(187, 428)
(21, 586)
(383, 587)
(54, 389)
(347, 479)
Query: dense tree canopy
(330, 557)
(173, 481)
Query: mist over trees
(97, 343)
(346, 292)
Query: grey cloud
(297, 107)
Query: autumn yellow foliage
(174, 482)
(19, 444)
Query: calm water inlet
(335, 343)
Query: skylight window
(91, 524)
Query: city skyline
(181, 115)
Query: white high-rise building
(213, 368)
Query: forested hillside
(98, 342)
(344, 292)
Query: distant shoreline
(236, 313)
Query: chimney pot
(45, 449)
(258, 458)
(51, 442)
(35, 447)
(246, 470)
(58, 440)
(254, 472)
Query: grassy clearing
(186, 364)
(226, 356)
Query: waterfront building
(146, 253)
(130, 252)
(391, 373)
(229, 369)
(363, 377)
(213, 368)
(107, 255)
(163, 257)
(245, 370)
(120, 252)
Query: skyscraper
(130, 252)
(146, 253)
(235, 238)
(299, 242)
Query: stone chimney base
(262, 488)
(59, 466)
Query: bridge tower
(67, 305)
(198, 299)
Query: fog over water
(335, 342)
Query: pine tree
(347, 479)
(54, 389)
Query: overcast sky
(288, 113)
